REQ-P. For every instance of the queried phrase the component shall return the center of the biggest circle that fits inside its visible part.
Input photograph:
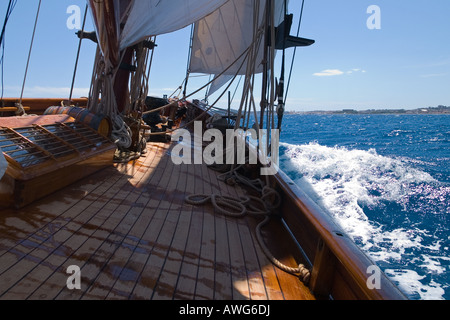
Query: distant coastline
(424, 111)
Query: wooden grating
(33, 145)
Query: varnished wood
(23, 185)
(38, 106)
(134, 237)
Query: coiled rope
(252, 206)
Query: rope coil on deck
(249, 205)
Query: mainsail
(155, 17)
(123, 23)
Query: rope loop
(250, 205)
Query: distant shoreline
(440, 110)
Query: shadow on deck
(132, 235)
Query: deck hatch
(21, 150)
(34, 145)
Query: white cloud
(329, 73)
(337, 72)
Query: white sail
(218, 83)
(220, 38)
(155, 17)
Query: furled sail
(106, 17)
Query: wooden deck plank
(187, 277)
(223, 273)
(132, 270)
(123, 243)
(83, 243)
(95, 253)
(133, 236)
(47, 240)
(79, 235)
(236, 259)
(168, 222)
(21, 226)
(205, 279)
(168, 276)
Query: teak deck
(133, 236)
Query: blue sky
(405, 64)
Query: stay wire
(9, 10)
(295, 53)
(78, 54)
(29, 53)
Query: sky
(397, 57)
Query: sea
(385, 179)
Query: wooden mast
(105, 14)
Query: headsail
(221, 37)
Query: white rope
(103, 84)
(253, 206)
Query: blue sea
(386, 181)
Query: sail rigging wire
(295, 52)
(211, 106)
(78, 53)
(188, 71)
(9, 10)
(29, 56)
(245, 53)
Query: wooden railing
(36, 105)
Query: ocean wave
(382, 203)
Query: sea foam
(352, 185)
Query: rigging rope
(295, 51)
(206, 85)
(29, 56)
(78, 53)
(9, 10)
(102, 84)
(251, 206)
